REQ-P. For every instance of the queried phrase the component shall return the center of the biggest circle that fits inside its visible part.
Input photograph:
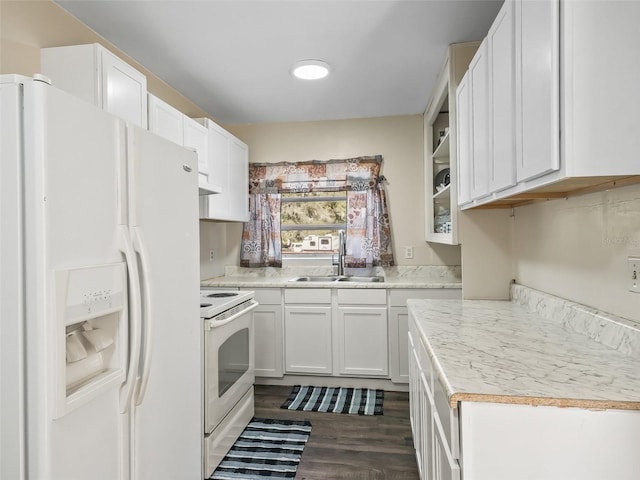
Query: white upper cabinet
(441, 148)
(96, 75)
(563, 115)
(229, 173)
(502, 99)
(218, 154)
(166, 121)
(480, 125)
(538, 79)
(170, 123)
(465, 150)
(196, 137)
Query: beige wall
(400, 142)
(28, 25)
(577, 248)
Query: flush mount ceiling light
(310, 69)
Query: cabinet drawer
(399, 297)
(307, 295)
(362, 297)
(268, 296)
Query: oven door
(229, 364)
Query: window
(310, 222)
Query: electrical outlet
(408, 252)
(634, 274)
(211, 255)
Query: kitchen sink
(339, 278)
(329, 278)
(350, 278)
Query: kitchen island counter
(502, 352)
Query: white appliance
(100, 338)
(229, 370)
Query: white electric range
(229, 364)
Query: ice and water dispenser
(92, 316)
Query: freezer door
(70, 166)
(163, 213)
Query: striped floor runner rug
(266, 448)
(361, 401)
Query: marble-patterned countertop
(398, 277)
(502, 352)
(280, 282)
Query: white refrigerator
(100, 338)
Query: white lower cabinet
(308, 331)
(399, 325)
(361, 335)
(501, 441)
(268, 328)
(436, 451)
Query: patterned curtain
(261, 244)
(368, 229)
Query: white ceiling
(232, 57)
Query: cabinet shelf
(441, 153)
(443, 195)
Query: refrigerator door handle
(143, 378)
(135, 320)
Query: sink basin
(361, 279)
(336, 278)
(328, 278)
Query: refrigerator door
(68, 160)
(163, 215)
(12, 393)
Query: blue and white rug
(360, 401)
(265, 449)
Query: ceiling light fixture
(310, 69)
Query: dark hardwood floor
(349, 446)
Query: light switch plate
(634, 274)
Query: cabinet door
(463, 106)
(398, 344)
(267, 321)
(308, 345)
(362, 341)
(415, 411)
(166, 121)
(501, 44)
(219, 163)
(537, 75)
(426, 426)
(195, 136)
(124, 90)
(444, 466)
(238, 180)
(480, 125)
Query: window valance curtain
(368, 231)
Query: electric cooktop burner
(221, 294)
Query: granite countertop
(398, 277)
(502, 352)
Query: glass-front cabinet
(440, 140)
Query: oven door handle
(210, 324)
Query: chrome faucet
(342, 249)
